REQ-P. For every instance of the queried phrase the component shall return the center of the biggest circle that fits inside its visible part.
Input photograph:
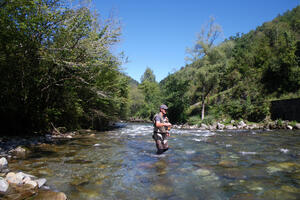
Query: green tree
(148, 76)
(204, 59)
(175, 96)
(58, 67)
(152, 95)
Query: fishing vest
(160, 129)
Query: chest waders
(160, 134)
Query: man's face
(164, 111)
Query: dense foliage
(145, 97)
(238, 77)
(57, 67)
(58, 70)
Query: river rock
(289, 188)
(30, 182)
(233, 173)
(297, 126)
(213, 127)
(204, 126)
(202, 172)
(19, 151)
(227, 163)
(278, 194)
(41, 182)
(230, 127)
(220, 126)
(12, 177)
(162, 189)
(22, 175)
(243, 196)
(3, 163)
(242, 124)
(289, 127)
(253, 126)
(3, 185)
(50, 195)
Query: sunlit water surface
(122, 164)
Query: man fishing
(161, 126)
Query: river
(122, 164)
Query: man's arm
(161, 124)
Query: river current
(122, 164)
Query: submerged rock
(227, 163)
(243, 196)
(202, 172)
(163, 189)
(278, 194)
(19, 151)
(50, 195)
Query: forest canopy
(57, 67)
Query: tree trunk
(203, 107)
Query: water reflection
(122, 164)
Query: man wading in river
(161, 126)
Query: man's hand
(168, 124)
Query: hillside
(237, 78)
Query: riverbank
(16, 185)
(240, 125)
(19, 185)
(233, 125)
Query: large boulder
(12, 177)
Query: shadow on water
(122, 164)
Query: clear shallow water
(122, 164)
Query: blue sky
(156, 33)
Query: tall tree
(203, 57)
(148, 75)
(151, 91)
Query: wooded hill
(237, 78)
(58, 70)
